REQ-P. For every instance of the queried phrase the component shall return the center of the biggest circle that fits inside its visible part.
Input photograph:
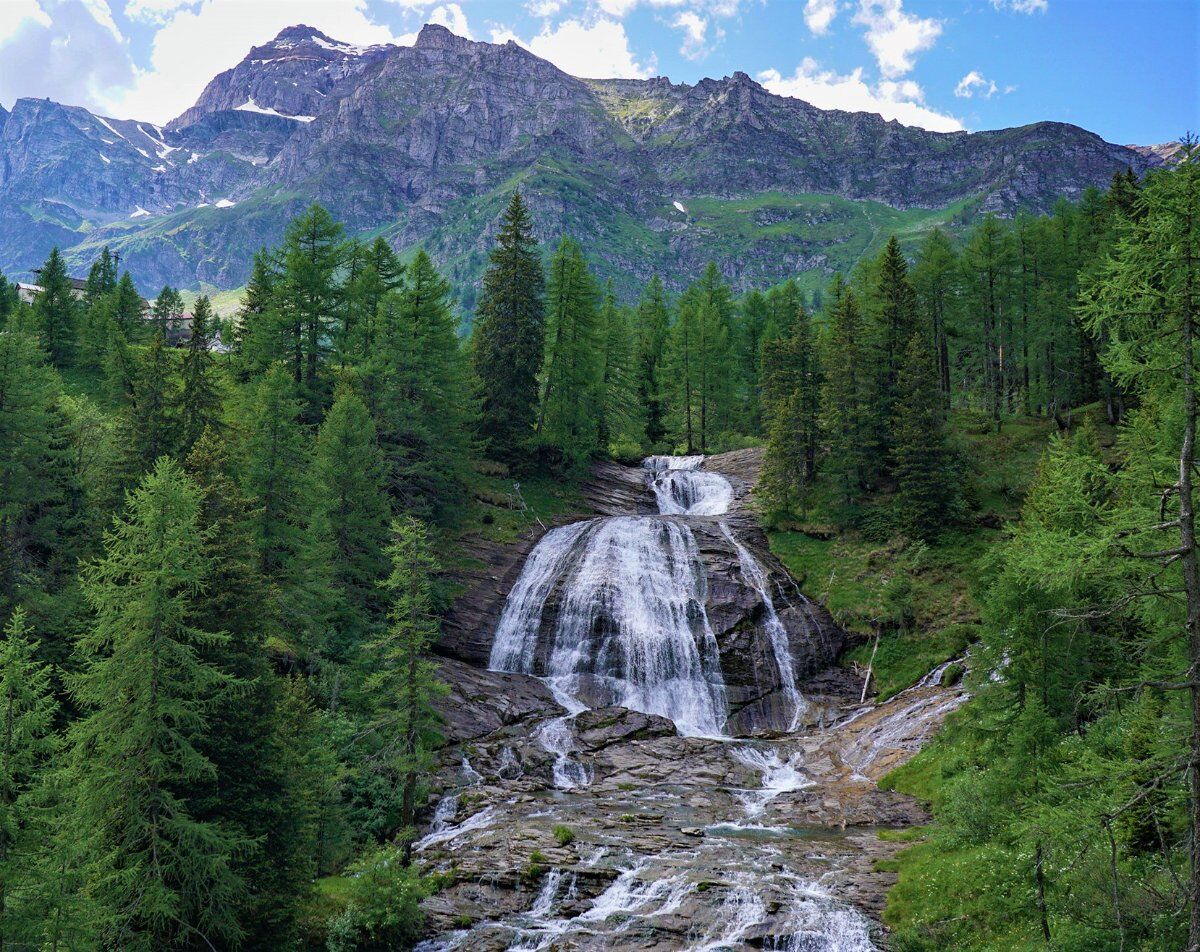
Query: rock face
(418, 142)
(736, 607)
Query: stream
(640, 816)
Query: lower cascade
(587, 825)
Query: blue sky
(1126, 69)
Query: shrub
(563, 835)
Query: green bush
(564, 835)
(383, 904)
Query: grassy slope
(938, 588)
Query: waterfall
(681, 488)
(611, 611)
(781, 647)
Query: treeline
(1068, 795)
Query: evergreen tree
(415, 383)
(935, 282)
(373, 272)
(509, 334)
(309, 300)
(261, 337)
(153, 425)
(120, 369)
(922, 460)
(128, 308)
(653, 329)
(101, 279)
(200, 396)
(401, 682)
(620, 418)
(55, 311)
(986, 261)
(273, 470)
(255, 788)
(27, 741)
(791, 400)
(348, 503)
(161, 876)
(167, 312)
(847, 401)
(571, 397)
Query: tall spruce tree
(153, 423)
(621, 418)
(935, 281)
(350, 505)
(162, 877)
(27, 742)
(653, 322)
(401, 680)
(847, 401)
(922, 461)
(508, 336)
(167, 312)
(55, 311)
(572, 370)
(791, 401)
(415, 382)
(200, 395)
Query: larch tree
(200, 394)
(56, 312)
(508, 336)
(162, 878)
(653, 324)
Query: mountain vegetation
(223, 569)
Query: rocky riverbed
(567, 826)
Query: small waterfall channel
(623, 601)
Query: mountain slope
(424, 143)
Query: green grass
(921, 598)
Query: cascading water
(623, 598)
(753, 574)
(681, 488)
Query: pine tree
(935, 281)
(847, 400)
(401, 683)
(260, 337)
(29, 391)
(167, 312)
(922, 460)
(161, 876)
(415, 383)
(27, 741)
(508, 336)
(349, 503)
(273, 470)
(55, 311)
(254, 788)
(128, 308)
(571, 396)
(373, 272)
(653, 322)
(621, 417)
(986, 261)
(101, 279)
(791, 387)
(153, 426)
(308, 297)
(200, 396)
(120, 369)
(718, 384)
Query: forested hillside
(225, 568)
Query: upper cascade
(682, 488)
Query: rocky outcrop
(419, 143)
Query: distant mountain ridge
(424, 143)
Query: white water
(742, 909)
(781, 647)
(557, 738)
(630, 894)
(817, 923)
(778, 776)
(448, 833)
(629, 627)
(681, 488)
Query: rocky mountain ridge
(424, 143)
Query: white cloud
(101, 12)
(974, 82)
(694, 28)
(819, 14)
(1022, 6)
(451, 16)
(598, 50)
(153, 11)
(544, 8)
(225, 30)
(895, 37)
(903, 101)
(20, 13)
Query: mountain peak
(300, 33)
(434, 36)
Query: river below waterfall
(630, 815)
